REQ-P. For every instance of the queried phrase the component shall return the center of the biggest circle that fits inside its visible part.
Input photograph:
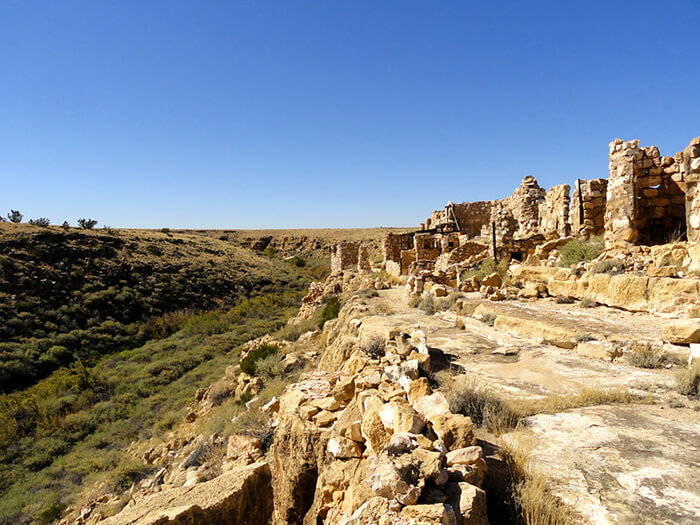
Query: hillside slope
(79, 294)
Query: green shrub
(328, 311)
(576, 251)
(292, 332)
(248, 363)
(270, 366)
(15, 216)
(87, 224)
(41, 221)
(297, 261)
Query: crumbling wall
(394, 245)
(691, 179)
(553, 212)
(344, 256)
(660, 200)
(426, 246)
(524, 205)
(472, 216)
(645, 196)
(587, 209)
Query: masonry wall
(646, 196)
(344, 256)
(553, 213)
(690, 174)
(426, 246)
(394, 243)
(588, 219)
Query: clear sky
(262, 114)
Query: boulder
(455, 430)
(418, 388)
(464, 456)
(681, 331)
(432, 405)
(343, 448)
(438, 513)
(468, 502)
(492, 280)
(240, 496)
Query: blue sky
(295, 114)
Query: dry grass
(688, 380)
(492, 409)
(646, 357)
(532, 497)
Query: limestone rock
(432, 405)
(238, 496)
(438, 513)
(681, 331)
(343, 448)
(468, 502)
(455, 430)
(464, 456)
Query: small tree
(41, 221)
(15, 216)
(65, 225)
(87, 224)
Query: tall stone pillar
(691, 168)
(621, 202)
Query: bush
(645, 357)
(297, 261)
(292, 332)
(688, 380)
(487, 267)
(41, 221)
(611, 266)
(165, 230)
(328, 311)
(488, 319)
(563, 299)
(576, 251)
(414, 301)
(588, 303)
(248, 363)
(374, 348)
(254, 423)
(87, 224)
(15, 216)
(427, 304)
(270, 366)
(65, 225)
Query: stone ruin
(652, 199)
(648, 199)
(349, 255)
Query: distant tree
(2, 219)
(65, 225)
(41, 221)
(15, 216)
(87, 224)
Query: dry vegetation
(106, 335)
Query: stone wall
(524, 205)
(553, 213)
(394, 244)
(646, 196)
(588, 219)
(691, 178)
(427, 246)
(344, 256)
